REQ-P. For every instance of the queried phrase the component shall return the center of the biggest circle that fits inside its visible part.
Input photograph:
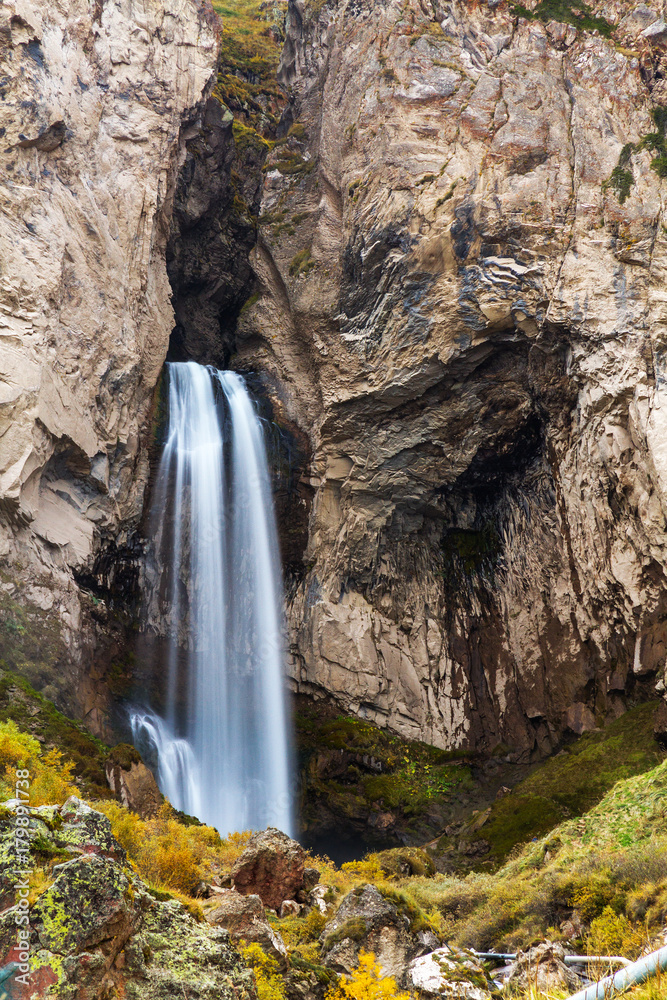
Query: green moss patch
(30, 640)
(657, 142)
(302, 263)
(471, 551)
(409, 909)
(572, 782)
(352, 768)
(576, 13)
(405, 861)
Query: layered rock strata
(461, 266)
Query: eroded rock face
(464, 312)
(94, 96)
(135, 786)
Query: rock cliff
(98, 100)
(458, 316)
(461, 268)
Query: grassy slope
(567, 784)
(612, 860)
(35, 715)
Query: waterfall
(222, 746)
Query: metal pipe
(494, 954)
(631, 975)
(569, 959)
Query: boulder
(290, 908)
(316, 898)
(133, 783)
(74, 828)
(245, 919)
(272, 867)
(311, 878)
(573, 928)
(445, 973)
(367, 921)
(90, 901)
(82, 829)
(100, 932)
(542, 968)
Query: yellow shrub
(314, 924)
(367, 983)
(592, 895)
(233, 847)
(17, 749)
(127, 828)
(613, 934)
(50, 781)
(269, 984)
(39, 880)
(369, 870)
(164, 852)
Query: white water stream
(223, 747)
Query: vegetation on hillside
(609, 866)
(52, 731)
(351, 768)
(597, 880)
(252, 38)
(30, 639)
(50, 775)
(566, 785)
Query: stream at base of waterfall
(222, 740)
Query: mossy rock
(124, 755)
(418, 919)
(90, 900)
(577, 13)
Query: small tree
(367, 983)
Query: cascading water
(222, 749)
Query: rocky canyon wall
(98, 101)
(461, 276)
(458, 315)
